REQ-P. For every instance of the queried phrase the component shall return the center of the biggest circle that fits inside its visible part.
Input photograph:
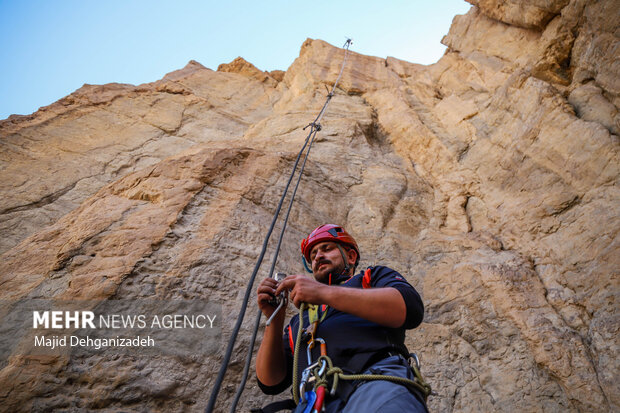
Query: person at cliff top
(361, 319)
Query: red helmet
(328, 232)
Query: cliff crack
(46, 200)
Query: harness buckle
(310, 331)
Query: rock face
(490, 179)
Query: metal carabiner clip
(311, 346)
(305, 376)
(416, 360)
(323, 368)
(280, 300)
(309, 351)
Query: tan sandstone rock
(489, 179)
(531, 14)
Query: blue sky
(50, 48)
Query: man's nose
(319, 254)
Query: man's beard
(323, 275)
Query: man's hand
(266, 292)
(270, 360)
(384, 306)
(303, 289)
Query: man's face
(326, 258)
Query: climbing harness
(323, 371)
(315, 127)
(321, 378)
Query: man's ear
(351, 256)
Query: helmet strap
(308, 269)
(347, 267)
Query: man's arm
(384, 306)
(270, 360)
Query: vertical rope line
(235, 332)
(315, 127)
(317, 121)
(248, 360)
(290, 206)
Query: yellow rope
(338, 374)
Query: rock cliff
(490, 179)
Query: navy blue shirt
(353, 342)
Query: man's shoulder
(381, 272)
(381, 269)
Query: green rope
(338, 374)
(401, 380)
(426, 388)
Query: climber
(360, 318)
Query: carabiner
(323, 368)
(416, 360)
(280, 300)
(311, 346)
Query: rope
(424, 388)
(246, 368)
(315, 127)
(235, 333)
(317, 122)
(248, 361)
(296, 354)
(337, 373)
